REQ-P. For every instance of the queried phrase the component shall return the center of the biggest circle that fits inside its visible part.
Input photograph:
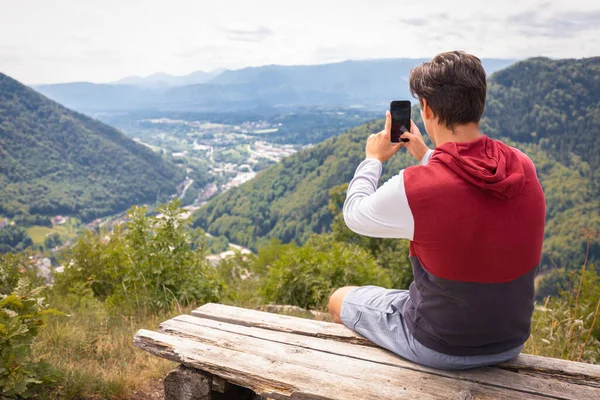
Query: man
(474, 212)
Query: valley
(214, 153)
(219, 153)
(230, 154)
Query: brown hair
(454, 86)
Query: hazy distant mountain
(163, 80)
(356, 75)
(89, 97)
(369, 84)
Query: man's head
(451, 90)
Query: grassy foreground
(156, 268)
(95, 357)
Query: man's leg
(335, 302)
(375, 313)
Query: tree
(51, 241)
(14, 239)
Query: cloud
(204, 51)
(249, 35)
(96, 56)
(85, 41)
(187, 35)
(348, 51)
(563, 24)
(542, 22)
(426, 22)
(9, 59)
(411, 21)
(9, 55)
(103, 55)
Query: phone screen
(400, 111)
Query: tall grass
(95, 358)
(567, 326)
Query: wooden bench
(234, 353)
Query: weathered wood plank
(284, 323)
(272, 377)
(295, 355)
(355, 360)
(569, 370)
(268, 378)
(530, 382)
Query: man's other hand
(415, 146)
(379, 145)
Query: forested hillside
(552, 102)
(289, 201)
(56, 161)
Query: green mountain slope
(552, 102)
(289, 201)
(56, 161)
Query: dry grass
(95, 356)
(564, 326)
(557, 333)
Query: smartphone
(400, 110)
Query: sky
(51, 41)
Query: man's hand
(415, 146)
(379, 145)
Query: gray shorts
(376, 313)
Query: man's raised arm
(382, 212)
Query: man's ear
(427, 113)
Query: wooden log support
(187, 384)
(191, 384)
(232, 353)
(220, 385)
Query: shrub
(146, 265)
(11, 266)
(22, 314)
(390, 254)
(307, 275)
(551, 283)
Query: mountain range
(369, 84)
(164, 80)
(548, 108)
(57, 161)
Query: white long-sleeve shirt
(379, 212)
